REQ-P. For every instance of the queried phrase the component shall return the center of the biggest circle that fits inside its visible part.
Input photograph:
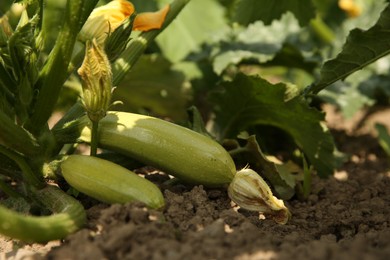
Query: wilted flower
(107, 18)
(251, 192)
(96, 76)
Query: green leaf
(196, 122)
(384, 138)
(249, 11)
(249, 101)
(153, 86)
(145, 6)
(347, 98)
(377, 88)
(278, 175)
(360, 49)
(23, 48)
(5, 5)
(196, 24)
(256, 42)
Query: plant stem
(137, 46)
(53, 74)
(17, 138)
(94, 138)
(131, 54)
(28, 174)
(322, 30)
(238, 150)
(69, 216)
(306, 178)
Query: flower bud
(96, 76)
(251, 192)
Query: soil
(346, 216)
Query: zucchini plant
(34, 66)
(246, 115)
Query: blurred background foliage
(211, 39)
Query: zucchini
(109, 182)
(188, 155)
(68, 216)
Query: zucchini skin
(181, 152)
(68, 216)
(109, 182)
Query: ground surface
(346, 217)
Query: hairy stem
(129, 56)
(53, 74)
(94, 138)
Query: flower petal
(105, 19)
(150, 20)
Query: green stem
(69, 216)
(94, 138)
(76, 61)
(28, 174)
(137, 46)
(17, 138)
(53, 74)
(7, 83)
(306, 178)
(239, 150)
(129, 56)
(322, 30)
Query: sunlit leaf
(360, 49)
(256, 42)
(249, 101)
(196, 24)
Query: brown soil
(346, 217)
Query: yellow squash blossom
(350, 7)
(107, 18)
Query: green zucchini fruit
(68, 216)
(109, 182)
(179, 151)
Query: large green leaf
(361, 48)
(249, 11)
(249, 100)
(256, 42)
(196, 24)
(153, 86)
